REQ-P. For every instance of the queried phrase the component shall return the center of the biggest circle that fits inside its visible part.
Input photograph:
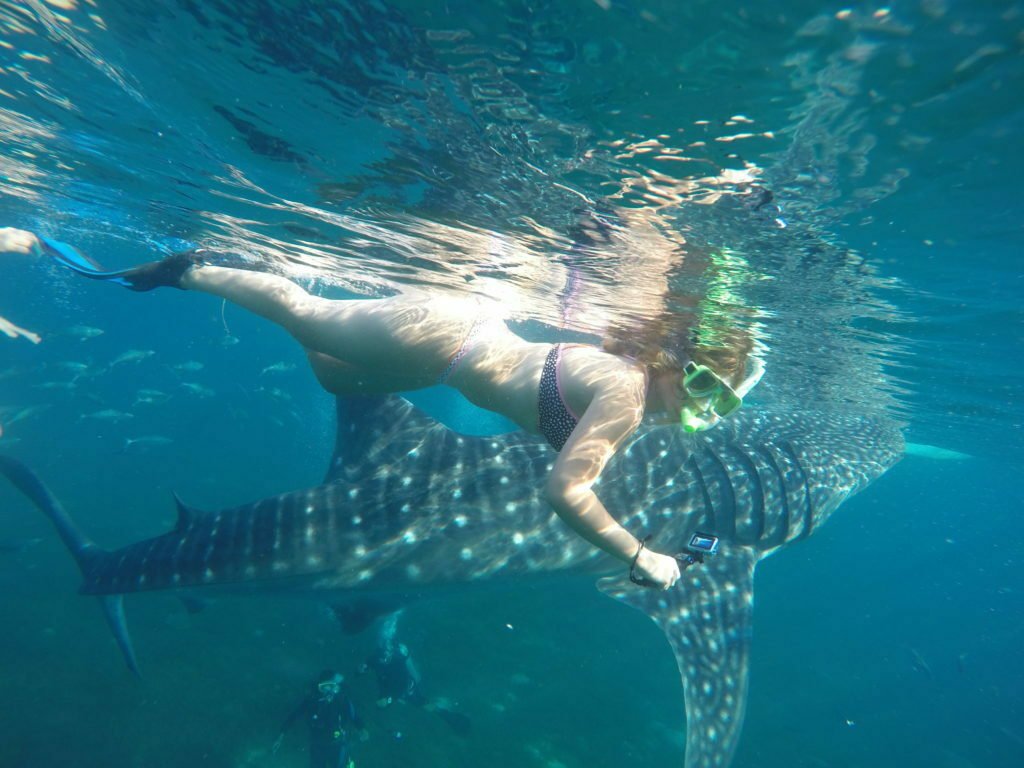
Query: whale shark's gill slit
(786, 446)
(711, 519)
(248, 540)
(751, 525)
(230, 549)
(285, 539)
(785, 512)
(272, 530)
(726, 511)
(261, 537)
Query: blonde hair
(727, 358)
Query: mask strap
(754, 372)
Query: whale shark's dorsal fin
(707, 620)
(375, 432)
(186, 514)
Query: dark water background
(891, 637)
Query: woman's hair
(727, 358)
(729, 362)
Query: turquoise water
(365, 148)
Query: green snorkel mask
(699, 381)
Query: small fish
(145, 442)
(189, 366)
(151, 396)
(280, 394)
(15, 546)
(84, 332)
(72, 367)
(1012, 736)
(281, 367)
(132, 356)
(227, 340)
(197, 389)
(9, 373)
(58, 385)
(108, 414)
(920, 664)
(25, 413)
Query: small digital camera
(703, 544)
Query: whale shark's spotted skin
(408, 502)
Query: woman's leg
(316, 323)
(276, 298)
(411, 338)
(341, 378)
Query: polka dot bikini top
(554, 419)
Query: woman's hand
(661, 569)
(19, 241)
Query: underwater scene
(419, 383)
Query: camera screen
(706, 543)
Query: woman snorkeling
(585, 400)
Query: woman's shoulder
(594, 354)
(596, 367)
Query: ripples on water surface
(473, 146)
(457, 144)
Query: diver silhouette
(331, 717)
(399, 680)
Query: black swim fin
(145, 277)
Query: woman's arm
(13, 331)
(19, 241)
(612, 416)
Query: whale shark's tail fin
(707, 620)
(86, 553)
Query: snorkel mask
(331, 687)
(720, 400)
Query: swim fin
(73, 259)
(145, 277)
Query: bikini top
(554, 418)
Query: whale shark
(409, 506)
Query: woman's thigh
(341, 378)
(399, 336)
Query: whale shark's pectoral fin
(707, 619)
(113, 609)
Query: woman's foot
(166, 273)
(19, 241)
(145, 277)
